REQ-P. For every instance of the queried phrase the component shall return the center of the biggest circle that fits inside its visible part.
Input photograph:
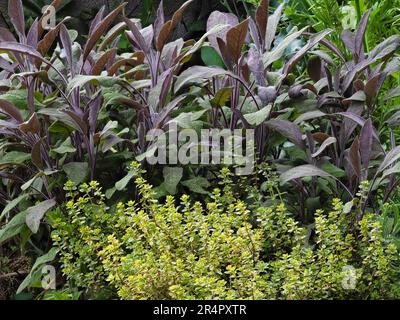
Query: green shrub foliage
(177, 249)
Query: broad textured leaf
(349, 40)
(385, 51)
(197, 74)
(315, 39)
(67, 45)
(258, 117)
(76, 121)
(220, 18)
(35, 214)
(314, 68)
(355, 158)
(371, 88)
(96, 21)
(12, 204)
(309, 115)
(37, 155)
(197, 185)
(225, 54)
(167, 77)
(27, 50)
(200, 42)
(393, 93)
(357, 119)
(360, 34)
(137, 36)
(114, 69)
(165, 112)
(16, 14)
(130, 103)
(289, 130)
(121, 184)
(11, 110)
(332, 47)
(222, 96)
(13, 228)
(262, 17)
(42, 260)
(30, 182)
(390, 158)
(256, 66)
(164, 35)
(31, 126)
(14, 158)
(302, 172)
(94, 108)
(366, 136)
(112, 34)
(358, 96)
(278, 51)
(159, 93)
(167, 29)
(45, 44)
(389, 172)
(104, 59)
(172, 176)
(324, 145)
(9, 67)
(272, 27)
(76, 171)
(333, 170)
(388, 45)
(211, 58)
(255, 34)
(100, 29)
(159, 20)
(6, 35)
(33, 34)
(81, 80)
(177, 17)
(65, 147)
(235, 39)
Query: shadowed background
(82, 12)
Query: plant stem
(358, 10)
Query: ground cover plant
(317, 218)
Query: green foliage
(148, 249)
(338, 262)
(343, 15)
(76, 234)
(325, 116)
(61, 295)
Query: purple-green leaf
(303, 172)
(11, 110)
(366, 136)
(272, 27)
(100, 29)
(220, 18)
(315, 39)
(16, 14)
(289, 130)
(66, 43)
(360, 34)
